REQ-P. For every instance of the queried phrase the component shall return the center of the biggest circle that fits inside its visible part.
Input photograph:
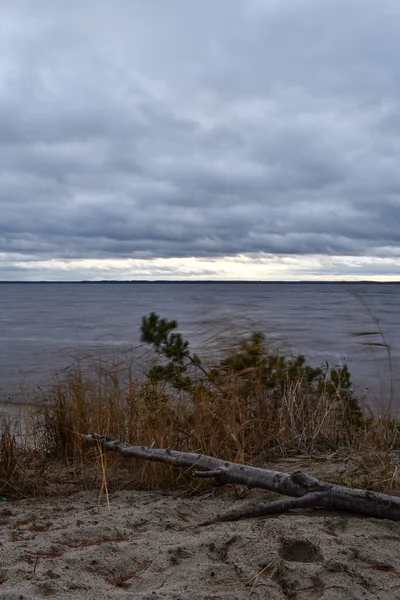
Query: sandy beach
(149, 547)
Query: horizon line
(198, 281)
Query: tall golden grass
(227, 412)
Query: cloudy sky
(212, 139)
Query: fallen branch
(308, 492)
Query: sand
(149, 547)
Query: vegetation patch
(252, 405)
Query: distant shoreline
(204, 281)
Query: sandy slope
(149, 547)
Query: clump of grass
(252, 406)
(18, 475)
(8, 451)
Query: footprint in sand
(301, 579)
(300, 551)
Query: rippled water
(42, 325)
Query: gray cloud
(156, 130)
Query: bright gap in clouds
(239, 268)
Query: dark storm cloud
(199, 129)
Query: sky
(221, 139)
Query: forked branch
(306, 491)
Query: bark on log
(307, 491)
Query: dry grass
(234, 416)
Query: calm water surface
(43, 325)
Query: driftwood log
(306, 491)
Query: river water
(43, 325)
